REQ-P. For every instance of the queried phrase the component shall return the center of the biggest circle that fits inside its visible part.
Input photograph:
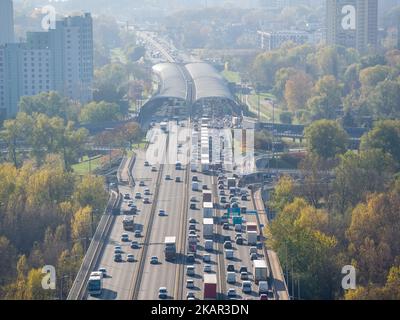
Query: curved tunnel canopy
(208, 82)
(172, 81)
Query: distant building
(352, 23)
(274, 40)
(60, 59)
(6, 22)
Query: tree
(286, 117)
(371, 76)
(96, 112)
(81, 224)
(358, 175)
(90, 192)
(296, 234)
(385, 136)
(283, 193)
(326, 138)
(384, 100)
(297, 90)
(373, 236)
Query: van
(195, 186)
(262, 287)
(208, 245)
(253, 250)
(229, 254)
(230, 277)
(238, 227)
(246, 286)
(190, 270)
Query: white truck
(95, 283)
(251, 237)
(195, 186)
(208, 210)
(208, 227)
(260, 271)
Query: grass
(82, 167)
(265, 107)
(231, 76)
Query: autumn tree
(298, 90)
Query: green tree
(326, 138)
(383, 100)
(96, 112)
(385, 136)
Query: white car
(162, 293)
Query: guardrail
(78, 288)
(120, 169)
(131, 179)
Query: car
(204, 187)
(239, 241)
(206, 257)
(117, 257)
(192, 232)
(153, 169)
(130, 257)
(125, 237)
(161, 213)
(193, 199)
(243, 198)
(231, 292)
(246, 286)
(190, 295)
(146, 164)
(127, 196)
(135, 245)
(225, 226)
(117, 249)
(154, 260)
(132, 205)
(195, 178)
(192, 226)
(221, 182)
(141, 184)
(192, 220)
(222, 192)
(189, 284)
(167, 177)
(263, 296)
(244, 276)
(227, 245)
(190, 270)
(223, 199)
(253, 256)
(138, 234)
(226, 238)
(193, 206)
(221, 187)
(207, 268)
(146, 192)
(242, 269)
(190, 257)
(230, 268)
(146, 200)
(178, 179)
(162, 293)
(103, 271)
(138, 195)
(235, 205)
(252, 250)
(226, 206)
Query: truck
(128, 223)
(208, 227)
(252, 226)
(170, 248)
(210, 286)
(251, 237)
(208, 210)
(95, 283)
(260, 271)
(231, 183)
(193, 167)
(192, 241)
(207, 196)
(263, 287)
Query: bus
(95, 284)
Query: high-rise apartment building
(352, 23)
(6, 22)
(60, 59)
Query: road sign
(251, 212)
